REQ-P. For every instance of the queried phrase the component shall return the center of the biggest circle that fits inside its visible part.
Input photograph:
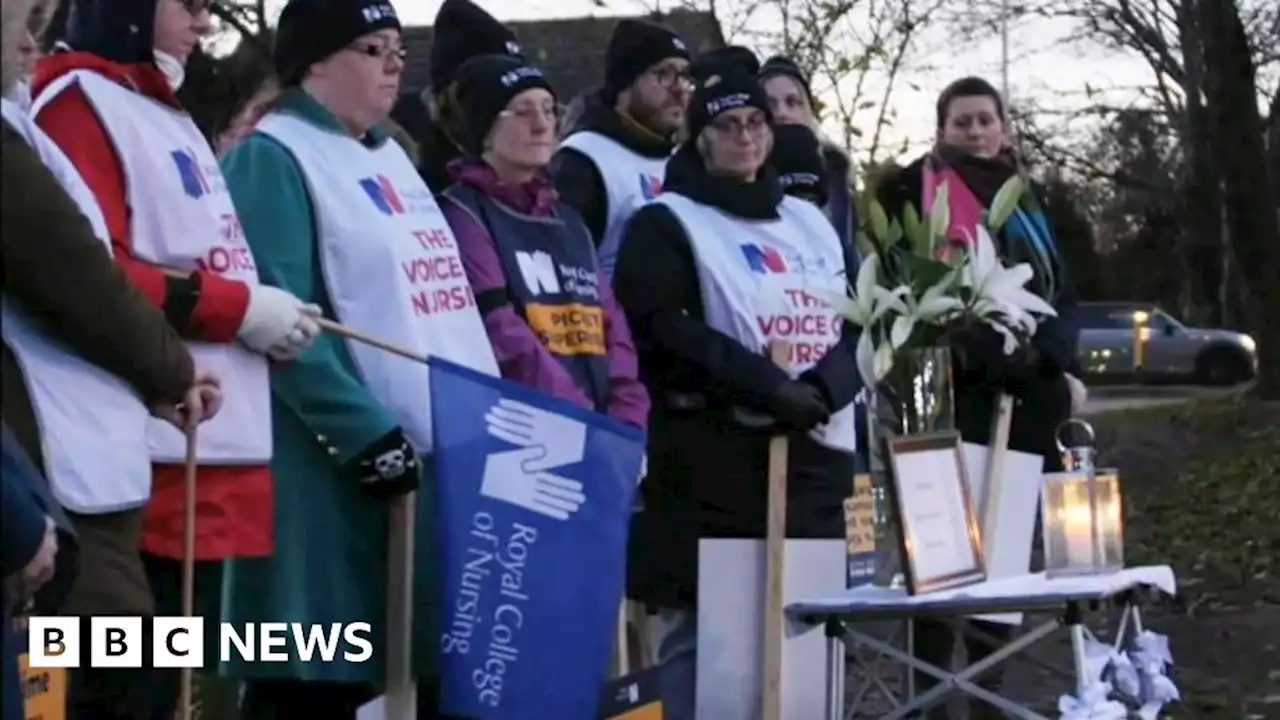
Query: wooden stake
(993, 488)
(401, 688)
(775, 541)
(188, 558)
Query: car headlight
(1248, 344)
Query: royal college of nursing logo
(383, 194)
(764, 260)
(194, 182)
(650, 186)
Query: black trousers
(146, 693)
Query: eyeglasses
(381, 52)
(670, 77)
(552, 114)
(195, 7)
(753, 126)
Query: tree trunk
(1201, 184)
(1253, 225)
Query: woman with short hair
(973, 157)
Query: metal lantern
(1082, 512)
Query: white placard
(1008, 553)
(731, 577)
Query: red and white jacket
(166, 207)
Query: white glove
(277, 324)
(1079, 394)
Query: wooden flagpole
(775, 542)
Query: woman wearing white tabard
(710, 274)
(80, 369)
(335, 211)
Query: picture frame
(938, 532)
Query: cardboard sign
(731, 613)
(44, 690)
(860, 532)
(633, 697)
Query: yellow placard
(860, 517)
(569, 328)
(44, 690)
(652, 711)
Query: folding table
(839, 614)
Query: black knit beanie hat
(797, 157)
(463, 30)
(780, 65)
(720, 89)
(485, 84)
(742, 57)
(312, 30)
(634, 47)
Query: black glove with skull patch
(389, 467)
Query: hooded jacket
(577, 178)
(113, 38)
(707, 470)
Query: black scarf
(983, 176)
(756, 200)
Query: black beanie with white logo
(463, 30)
(720, 89)
(485, 85)
(311, 31)
(797, 156)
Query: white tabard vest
(182, 218)
(391, 266)
(630, 180)
(93, 427)
(753, 276)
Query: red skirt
(233, 512)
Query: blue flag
(534, 500)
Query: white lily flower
(1000, 295)
(936, 303)
(874, 363)
(870, 300)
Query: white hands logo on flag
(544, 441)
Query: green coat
(330, 559)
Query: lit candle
(1077, 531)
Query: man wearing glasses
(615, 158)
(108, 101)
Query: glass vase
(917, 396)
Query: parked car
(1170, 351)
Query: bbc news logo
(179, 642)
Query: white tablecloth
(1035, 587)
